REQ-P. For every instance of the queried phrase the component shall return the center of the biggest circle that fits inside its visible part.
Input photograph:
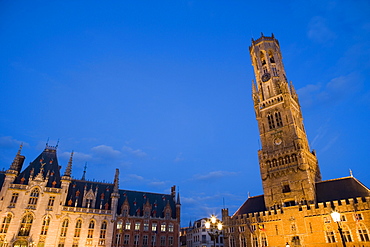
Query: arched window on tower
(279, 121)
(271, 121)
(263, 59)
(268, 163)
(271, 57)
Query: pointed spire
(68, 170)
(84, 173)
(350, 173)
(116, 178)
(178, 198)
(15, 164)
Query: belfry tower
(288, 168)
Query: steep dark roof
(341, 188)
(251, 205)
(137, 199)
(50, 167)
(78, 188)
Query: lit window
(64, 228)
(154, 227)
(128, 225)
(163, 227)
(90, 231)
(137, 225)
(119, 225)
(45, 225)
(170, 227)
(78, 229)
(5, 223)
(26, 224)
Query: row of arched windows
(362, 231)
(27, 220)
(281, 161)
(263, 58)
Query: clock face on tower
(266, 77)
(278, 141)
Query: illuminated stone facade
(296, 205)
(41, 207)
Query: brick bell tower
(288, 168)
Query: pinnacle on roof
(68, 170)
(16, 162)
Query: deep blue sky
(162, 90)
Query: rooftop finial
(350, 173)
(84, 173)
(56, 146)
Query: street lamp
(336, 218)
(215, 228)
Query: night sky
(162, 90)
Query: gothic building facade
(296, 204)
(41, 207)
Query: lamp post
(214, 227)
(336, 218)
